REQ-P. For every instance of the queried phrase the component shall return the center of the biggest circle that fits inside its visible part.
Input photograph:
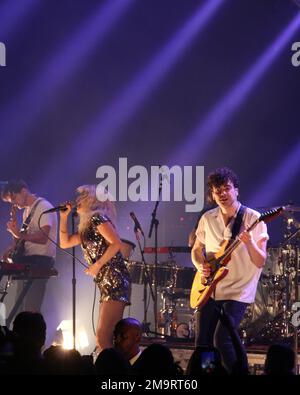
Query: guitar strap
(236, 227)
(18, 250)
(30, 215)
(237, 223)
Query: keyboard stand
(19, 301)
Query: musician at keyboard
(31, 245)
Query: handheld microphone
(136, 223)
(62, 207)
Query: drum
(127, 248)
(183, 330)
(185, 319)
(165, 274)
(183, 278)
(136, 271)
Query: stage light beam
(208, 129)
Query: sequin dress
(113, 278)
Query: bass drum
(185, 319)
(183, 331)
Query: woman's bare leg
(110, 313)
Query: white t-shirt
(240, 283)
(48, 249)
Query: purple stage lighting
(271, 189)
(106, 125)
(209, 128)
(58, 71)
(13, 15)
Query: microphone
(62, 207)
(136, 223)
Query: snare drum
(165, 275)
(136, 271)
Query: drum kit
(269, 318)
(174, 282)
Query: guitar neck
(236, 243)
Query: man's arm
(199, 260)
(38, 237)
(256, 250)
(197, 253)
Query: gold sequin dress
(113, 279)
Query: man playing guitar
(238, 288)
(31, 244)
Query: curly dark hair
(13, 186)
(219, 177)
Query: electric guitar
(18, 247)
(203, 287)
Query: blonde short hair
(99, 200)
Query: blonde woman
(101, 245)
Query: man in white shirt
(33, 246)
(238, 288)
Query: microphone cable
(57, 244)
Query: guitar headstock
(271, 214)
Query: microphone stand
(155, 223)
(74, 214)
(146, 280)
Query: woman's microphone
(62, 207)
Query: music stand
(19, 301)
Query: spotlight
(64, 336)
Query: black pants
(210, 331)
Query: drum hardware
(175, 319)
(167, 250)
(175, 316)
(167, 318)
(145, 277)
(173, 284)
(166, 278)
(279, 283)
(4, 290)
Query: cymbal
(166, 250)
